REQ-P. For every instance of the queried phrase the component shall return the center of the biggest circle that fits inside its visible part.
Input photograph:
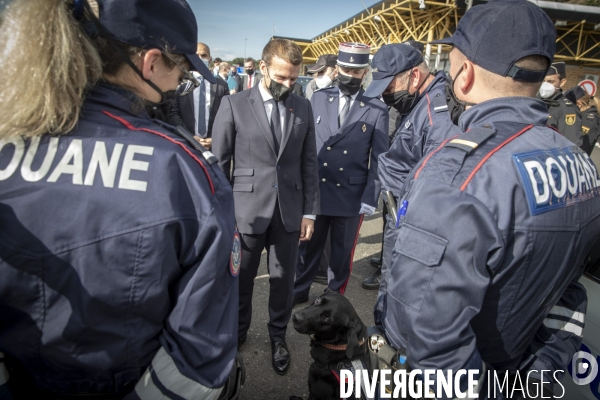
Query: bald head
(203, 51)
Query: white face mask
(206, 62)
(323, 81)
(547, 90)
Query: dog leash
(336, 347)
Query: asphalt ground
(262, 383)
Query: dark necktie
(201, 119)
(276, 124)
(344, 112)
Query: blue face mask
(230, 73)
(206, 62)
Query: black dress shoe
(321, 279)
(375, 262)
(372, 282)
(280, 359)
(242, 339)
(299, 300)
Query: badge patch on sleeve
(585, 130)
(236, 255)
(570, 119)
(557, 178)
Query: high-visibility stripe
(565, 312)
(563, 326)
(3, 373)
(467, 143)
(164, 369)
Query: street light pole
(245, 42)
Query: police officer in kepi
(402, 77)
(497, 225)
(351, 131)
(590, 122)
(118, 276)
(563, 114)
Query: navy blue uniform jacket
(498, 226)
(348, 154)
(115, 252)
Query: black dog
(338, 337)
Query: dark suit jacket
(243, 137)
(257, 78)
(183, 110)
(348, 154)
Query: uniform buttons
(338, 185)
(329, 148)
(341, 169)
(274, 186)
(325, 164)
(345, 152)
(324, 180)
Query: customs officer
(498, 224)
(563, 114)
(118, 278)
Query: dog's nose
(297, 318)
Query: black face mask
(250, 71)
(401, 100)
(279, 91)
(161, 110)
(348, 85)
(455, 106)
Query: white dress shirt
(343, 101)
(196, 94)
(266, 97)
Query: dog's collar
(336, 347)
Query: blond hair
(47, 63)
(586, 101)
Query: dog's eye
(317, 301)
(327, 319)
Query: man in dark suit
(186, 110)
(351, 132)
(267, 133)
(252, 77)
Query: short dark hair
(249, 59)
(217, 60)
(284, 49)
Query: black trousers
(282, 253)
(344, 236)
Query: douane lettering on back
(36, 162)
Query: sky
(225, 24)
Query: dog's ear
(353, 348)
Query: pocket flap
(298, 185)
(355, 180)
(243, 172)
(242, 187)
(421, 246)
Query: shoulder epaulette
(472, 139)
(439, 103)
